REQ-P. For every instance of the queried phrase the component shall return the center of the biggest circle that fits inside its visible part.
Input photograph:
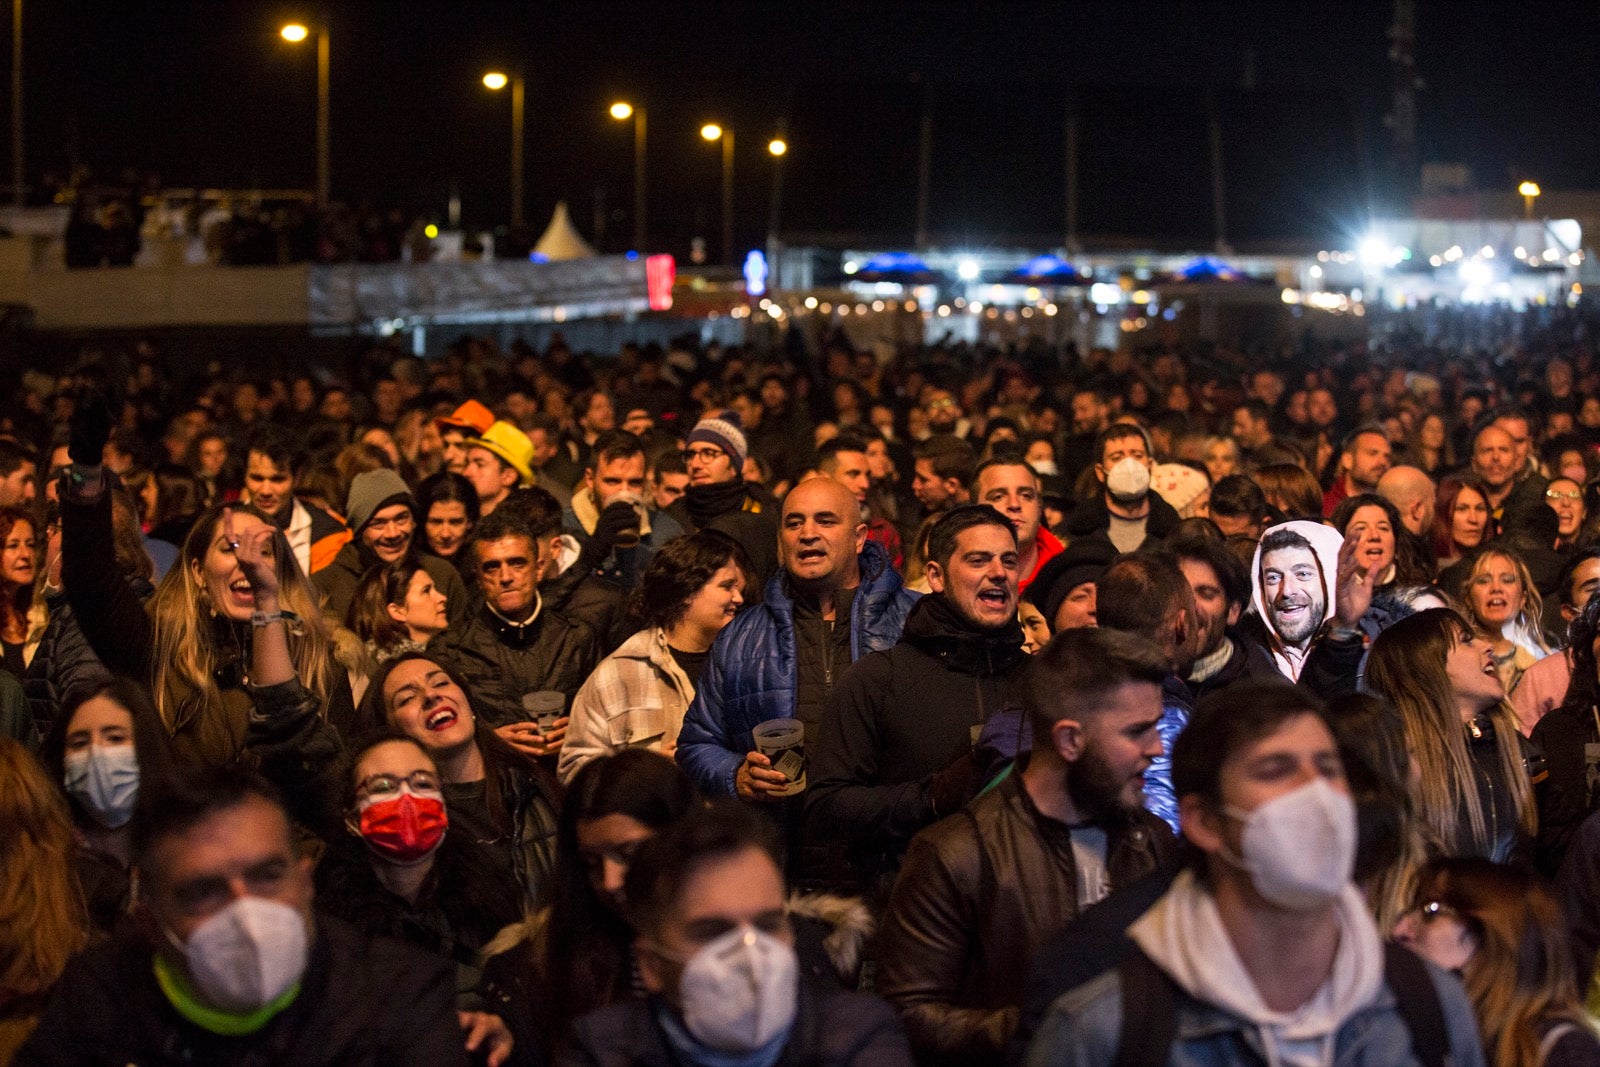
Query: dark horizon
(207, 94)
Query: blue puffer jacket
(1177, 706)
(751, 676)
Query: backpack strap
(1419, 1006)
(1149, 1013)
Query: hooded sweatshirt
(1184, 936)
(1325, 544)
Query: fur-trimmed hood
(842, 926)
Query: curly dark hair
(679, 570)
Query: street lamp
(712, 132)
(295, 33)
(777, 148)
(495, 81)
(622, 111)
(1529, 191)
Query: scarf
(706, 502)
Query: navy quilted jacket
(751, 675)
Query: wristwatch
(267, 618)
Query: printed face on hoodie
(1293, 591)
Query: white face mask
(105, 780)
(247, 955)
(1300, 848)
(1128, 479)
(1045, 468)
(739, 991)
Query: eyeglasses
(1551, 494)
(387, 785)
(703, 455)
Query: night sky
(206, 93)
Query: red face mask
(405, 828)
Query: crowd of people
(711, 706)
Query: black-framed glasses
(388, 785)
(704, 455)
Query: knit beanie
(725, 432)
(371, 491)
(1084, 560)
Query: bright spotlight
(1374, 252)
(967, 270)
(1475, 272)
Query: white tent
(561, 239)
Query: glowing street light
(622, 111)
(1529, 191)
(777, 146)
(295, 33)
(494, 80)
(713, 132)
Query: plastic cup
(783, 741)
(544, 707)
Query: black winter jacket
(363, 1002)
(1093, 517)
(833, 1029)
(1569, 737)
(502, 661)
(1250, 664)
(65, 666)
(897, 718)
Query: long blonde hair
(1407, 667)
(43, 917)
(185, 653)
(1521, 976)
(1526, 625)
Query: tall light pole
(622, 111)
(777, 148)
(495, 81)
(294, 33)
(1530, 192)
(712, 132)
(16, 102)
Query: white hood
(1325, 542)
(1182, 933)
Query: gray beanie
(371, 491)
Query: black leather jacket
(980, 892)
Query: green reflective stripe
(181, 995)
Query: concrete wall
(138, 297)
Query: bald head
(821, 536)
(1412, 493)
